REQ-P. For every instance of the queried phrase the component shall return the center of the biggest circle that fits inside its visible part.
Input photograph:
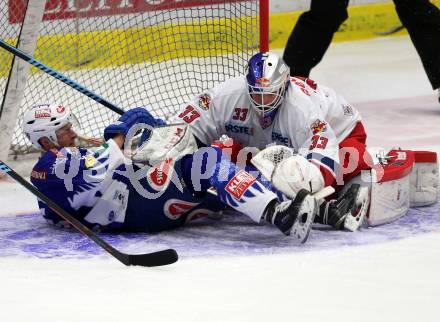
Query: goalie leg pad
(424, 179)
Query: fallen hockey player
(161, 185)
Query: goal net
(152, 53)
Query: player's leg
(157, 200)
(313, 34)
(241, 190)
(422, 20)
(290, 173)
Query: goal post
(19, 70)
(152, 53)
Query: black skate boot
(293, 217)
(348, 211)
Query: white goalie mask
(44, 120)
(268, 78)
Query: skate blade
(353, 222)
(306, 215)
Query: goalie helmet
(267, 78)
(44, 120)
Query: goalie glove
(146, 133)
(166, 142)
(288, 172)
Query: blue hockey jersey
(107, 192)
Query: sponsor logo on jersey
(234, 128)
(119, 196)
(278, 137)
(318, 126)
(39, 175)
(159, 176)
(204, 101)
(348, 109)
(176, 208)
(42, 113)
(90, 161)
(238, 185)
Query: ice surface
(235, 235)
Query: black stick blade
(160, 258)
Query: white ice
(386, 280)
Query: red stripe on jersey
(327, 174)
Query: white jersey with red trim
(312, 120)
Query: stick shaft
(163, 257)
(61, 77)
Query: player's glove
(146, 133)
(128, 119)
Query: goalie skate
(348, 211)
(294, 217)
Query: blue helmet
(267, 74)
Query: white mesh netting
(156, 54)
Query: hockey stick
(159, 258)
(52, 72)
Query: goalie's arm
(204, 117)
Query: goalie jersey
(98, 188)
(312, 120)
